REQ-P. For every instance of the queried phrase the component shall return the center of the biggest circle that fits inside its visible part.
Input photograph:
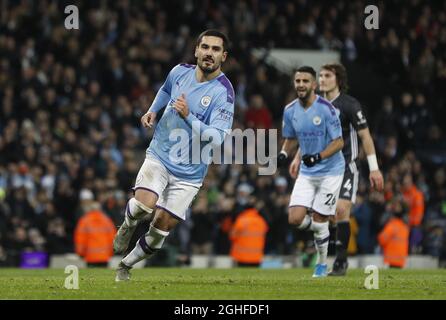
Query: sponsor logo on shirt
(335, 123)
(310, 133)
(225, 114)
(361, 118)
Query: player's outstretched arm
(375, 177)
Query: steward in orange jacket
(415, 200)
(394, 239)
(93, 238)
(248, 235)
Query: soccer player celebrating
(333, 83)
(199, 99)
(315, 124)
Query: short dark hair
(214, 33)
(340, 73)
(307, 69)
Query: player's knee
(332, 221)
(343, 212)
(317, 217)
(148, 199)
(293, 220)
(164, 221)
(138, 209)
(295, 216)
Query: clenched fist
(148, 119)
(180, 105)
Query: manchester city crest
(317, 120)
(206, 101)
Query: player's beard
(305, 97)
(208, 70)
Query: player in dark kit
(333, 84)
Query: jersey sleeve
(222, 117)
(162, 97)
(287, 125)
(355, 115)
(333, 123)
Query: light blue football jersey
(210, 102)
(315, 128)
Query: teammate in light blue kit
(315, 123)
(199, 102)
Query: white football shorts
(318, 193)
(174, 195)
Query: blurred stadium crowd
(71, 100)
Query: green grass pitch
(224, 284)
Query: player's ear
(224, 56)
(196, 52)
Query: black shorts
(349, 186)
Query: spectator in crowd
(115, 205)
(363, 215)
(352, 248)
(94, 233)
(202, 226)
(5, 260)
(439, 187)
(385, 122)
(415, 201)
(258, 116)
(183, 234)
(17, 243)
(37, 240)
(434, 240)
(243, 198)
(5, 212)
(58, 240)
(225, 217)
(280, 232)
(248, 235)
(394, 238)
